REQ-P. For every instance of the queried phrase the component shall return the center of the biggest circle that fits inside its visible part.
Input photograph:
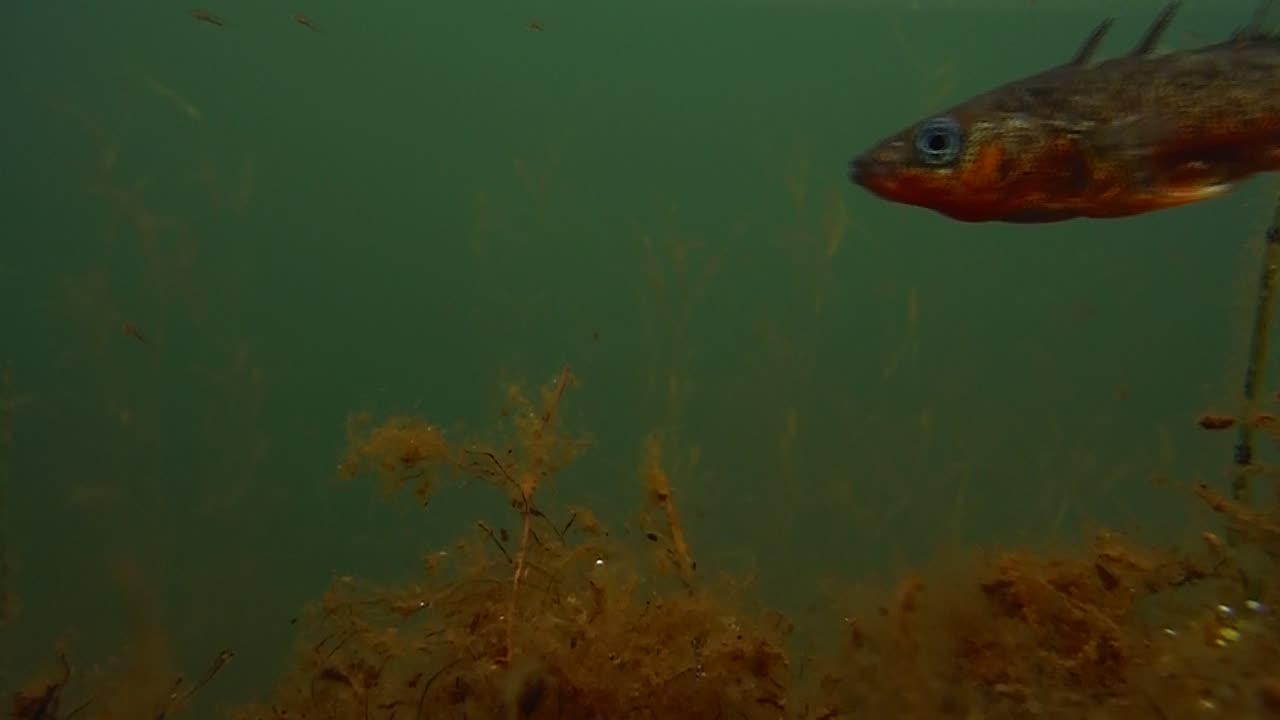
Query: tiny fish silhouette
(132, 331)
(305, 22)
(206, 17)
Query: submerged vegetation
(553, 613)
(563, 619)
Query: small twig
(521, 552)
(489, 531)
(78, 709)
(566, 374)
(497, 464)
(334, 650)
(422, 699)
(527, 510)
(214, 668)
(661, 494)
(550, 523)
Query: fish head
(967, 164)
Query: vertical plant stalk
(1259, 341)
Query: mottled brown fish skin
(1117, 138)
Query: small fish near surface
(132, 331)
(206, 17)
(1115, 138)
(305, 21)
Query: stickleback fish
(1109, 139)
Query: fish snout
(855, 170)
(868, 169)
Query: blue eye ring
(939, 141)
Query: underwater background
(417, 203)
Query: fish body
(206, 17)
(132, 331)
(1115, 138)
(305, 22)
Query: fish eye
(938, 141)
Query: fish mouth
(857, 170)
(870, 172)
